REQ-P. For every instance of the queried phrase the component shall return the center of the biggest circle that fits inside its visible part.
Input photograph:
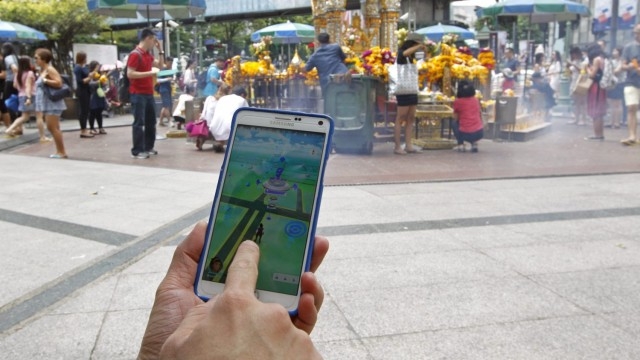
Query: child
(97, 102)
(466, 109)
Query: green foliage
(60, 20)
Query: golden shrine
(378, 28)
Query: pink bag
(197, 128)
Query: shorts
(407, 100)
(24, 108)
(57, 113)
(179, 119)
(631, 95)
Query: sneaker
(152, 152)
(142, 155)
(160, 137)
(594, 138)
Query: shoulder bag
(403, 78)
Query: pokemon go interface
(268, 197)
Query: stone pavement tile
(95, 297)
(599, 291)
(578, 230)
(381, 312)
(480, 237)
(156, 262)
(121, 335)
(394, 244)
(70, 336)
(626, 320)
(332, 325)
(575, 337)
(572, 256)
(391, 272)
(49, 255)
(349, 206)
(343, 350)
(135, 291)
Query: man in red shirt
(141, 68)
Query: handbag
(57, 94)
(100, 92)
(403, 78)
(582, 85)
(12, 103)
(197, 128)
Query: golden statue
(355, 38)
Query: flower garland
(486, 58)
(376, 60)
(260, 48)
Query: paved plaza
(522, 251)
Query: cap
(415, 37)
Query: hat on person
(415, 37)
(508, 73)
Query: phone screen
(268, 195)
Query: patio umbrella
(538, 11)
(150, 9)
(436, 32)
(286, 33)
(14, 31)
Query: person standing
(25, 83)
(630, 63)
(83, 93)
(213, 77)
(97, 101)
(328, 59)
(407, 103)
(165, 88)
(10, 69)
(616, 94)
(597, 96)
(51, 110)
(189, 78)
(511, 62)
(555, 70)
(140, 71)
(577, 65)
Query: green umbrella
(538, 11)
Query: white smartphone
(268, 191)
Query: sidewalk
(562, 152)
(522, 269)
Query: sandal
(93, 132)
(101, 131)
(86, 136)
(628, 142)
(57, 156)
(413, 151)
(400, 152)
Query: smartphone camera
(320, 122)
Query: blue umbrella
(14, 31)
(538, 11)
(436, 32)
(286, 33)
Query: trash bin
(351, 104)
(506, 108)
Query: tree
(60, 20)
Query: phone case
(319, 197)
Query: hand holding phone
(175, 296)
(237, 323)
(269, 191)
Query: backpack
(123, 83)
(202, 79)
(608, 80)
